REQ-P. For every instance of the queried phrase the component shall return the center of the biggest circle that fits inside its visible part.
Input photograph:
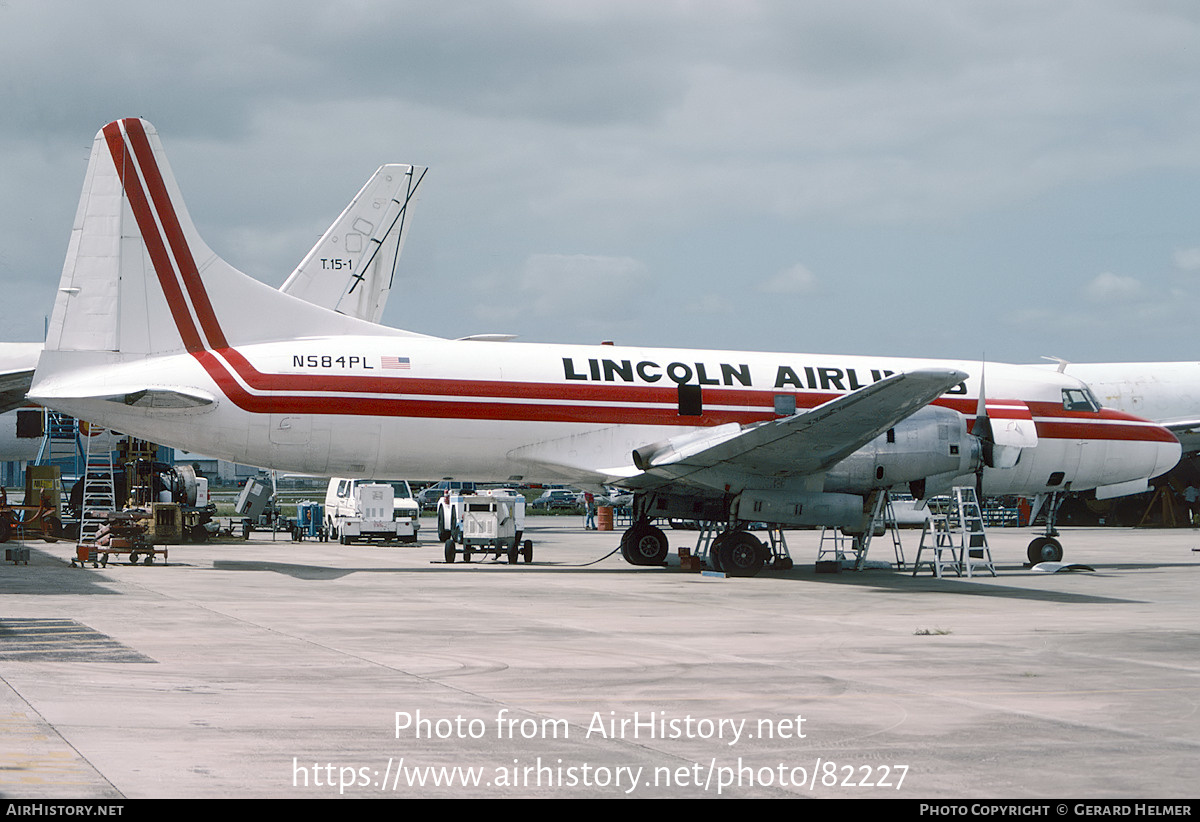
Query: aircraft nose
(1167, 451)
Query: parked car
(428, 497)
(555, 498)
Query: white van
(350, 510)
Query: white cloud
(575, 294)
(713, 305)
(1187, 259)
(795, 280)
(558, 280)
(1109, 287)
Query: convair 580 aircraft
(154, 334)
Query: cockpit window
(1080, 399)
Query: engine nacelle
(799, 508)
(932, 441)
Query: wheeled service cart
(488, 523)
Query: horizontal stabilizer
(136, 397)
(159, 398)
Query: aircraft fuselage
(422, 407)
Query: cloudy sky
(1001, 178)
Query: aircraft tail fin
(363, 246)
(139, 280)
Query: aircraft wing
(1186, 431)
(13, 387)
(17, 362)
(805, 443)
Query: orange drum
(604, 518)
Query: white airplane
(154, 334)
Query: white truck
(483, 522)
(371, 509)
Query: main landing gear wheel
(740, 554)
(1044, 549)
(714, 550)
(644, 544)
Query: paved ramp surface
(315, 670)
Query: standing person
(589, 503)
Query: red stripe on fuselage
(178, 275)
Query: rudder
(363, 246)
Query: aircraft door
(301, 440)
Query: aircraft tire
(714, 551)
(514, 552)
(527, 551)
(645, 545)
(625, 553)
(1044, 549)
(741, 554)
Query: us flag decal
(396, 362)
